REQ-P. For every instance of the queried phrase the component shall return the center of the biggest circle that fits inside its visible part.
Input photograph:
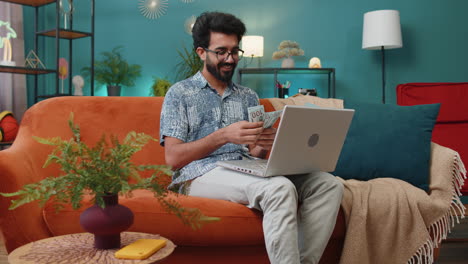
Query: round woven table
(78, 248)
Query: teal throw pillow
(388, 141)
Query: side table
(78, 248)
(330, 72)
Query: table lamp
(252, 47)
(382, 30)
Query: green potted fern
(103, 171)
(114, 71)
(189, 63)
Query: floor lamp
(381, 30)
(253, 47)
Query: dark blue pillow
(388, 141)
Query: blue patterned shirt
(192, 110)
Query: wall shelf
(31, 2)
(24, 70)
(53, 95)
(65, 34)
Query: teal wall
(435, 37)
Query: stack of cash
(257, 114)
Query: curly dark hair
(220, 22)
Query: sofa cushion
(388, 141)
(239, 225)
(150, 217)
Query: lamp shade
(381, 28)
(252, 46)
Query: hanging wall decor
(188, 25)
(153, 9)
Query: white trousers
(299, 212)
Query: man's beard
(215, 70)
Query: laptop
(308, 139)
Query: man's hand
(264, 143)
(243, 132)
(266, 138)
(179, 153)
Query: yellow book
(140, 249)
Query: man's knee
(321, 183)
(333, 182)
(281, 188)
(334, 186)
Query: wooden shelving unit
(57, 33)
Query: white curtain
(13, 86)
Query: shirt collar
(200, 82)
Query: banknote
(271, 117)
(256, 113)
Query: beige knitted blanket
(391, 221)
(299, 99)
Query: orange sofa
(237, 238)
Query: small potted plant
(114, 71)
(160, 87)
(286, 50)
(102, 171)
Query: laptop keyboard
(261, 164)
(257, 164)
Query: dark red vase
(107, 223)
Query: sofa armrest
(24, 224)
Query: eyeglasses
(223, 54)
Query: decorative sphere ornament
(315, 63)
(8, 126)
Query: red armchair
(451, 129)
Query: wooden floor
(455, 249)
(451, 253)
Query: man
(204, 120)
